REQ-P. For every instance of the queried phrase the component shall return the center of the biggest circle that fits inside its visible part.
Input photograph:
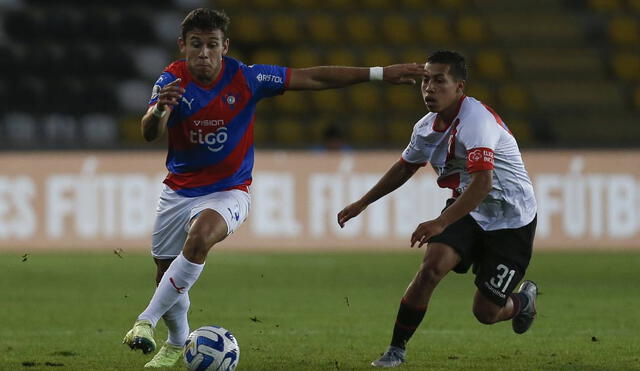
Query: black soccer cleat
(524, 319)
(143, 344)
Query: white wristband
(375, 73)
(157, 113)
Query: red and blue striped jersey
(211, 130)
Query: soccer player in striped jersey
(206, 104)
(490, 220)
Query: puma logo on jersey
(188, 102)
(178, 289)
(235, 215)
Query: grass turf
(318, 311)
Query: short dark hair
(455, 60)
(205, 19)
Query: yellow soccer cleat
(167, 356)
(141, 337)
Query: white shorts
(175, 212)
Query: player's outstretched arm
(396, 176)
(331, 77)
(154, 121)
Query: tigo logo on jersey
(266, 78)
(214, 141)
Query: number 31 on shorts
(499, 280)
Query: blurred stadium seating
(78, 74)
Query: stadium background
(76, 76)
(563, 74)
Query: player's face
(203, 51)
(440, 91)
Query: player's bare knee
(430, 275)
(195, 239)
(195, 248)
(197, 256)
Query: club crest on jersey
(231, 100)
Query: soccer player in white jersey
(490, 220)
(206, 104)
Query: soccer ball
(211, 348)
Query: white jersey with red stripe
(477, 139)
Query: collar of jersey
(212, 84)
(454, 117)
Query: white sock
(175, 282)
(176, 321)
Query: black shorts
(500, 258)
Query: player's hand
(407, 73)
(350, 211)
(170, 95)
(425, 231)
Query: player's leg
(209, 223)
(488, 312)
(450, 250)
(176, 317)
(527, 295)
(161, 266)
(177, 325)
(208, 228)
(506, 257)
(204, 232)
(439, 259)
(496, 278)
(169, 235)
(519, 306)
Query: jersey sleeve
(480, 138)
(266, 80)
(163, 80)
(416, 153)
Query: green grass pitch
(318, 311)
